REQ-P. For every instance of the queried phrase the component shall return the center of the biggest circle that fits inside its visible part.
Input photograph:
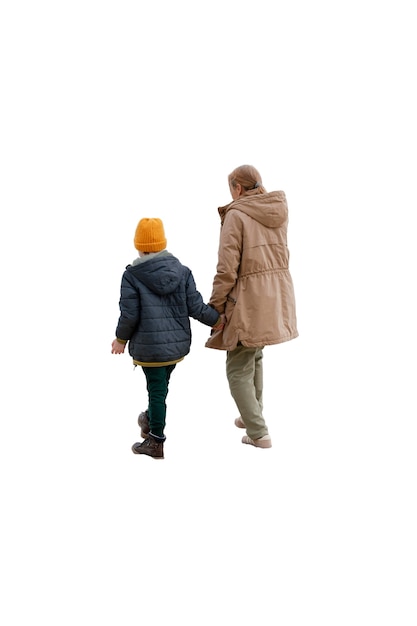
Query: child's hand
(117, 347)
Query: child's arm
(129, 314)
(196, 306)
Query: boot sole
(157, 458)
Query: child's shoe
(239, 422)
(143, 421)
(152, 446)
(262, 442)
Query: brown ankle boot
(151, 446)
(143, 421)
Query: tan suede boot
(263, 442)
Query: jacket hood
(160, 272)
(269, 209)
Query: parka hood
(269, 209)
(160, 272)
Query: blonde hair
(248, 177)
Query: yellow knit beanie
(150, 235)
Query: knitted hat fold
(150, 235)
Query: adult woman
(253, 288)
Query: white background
(115, 111)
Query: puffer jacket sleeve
(129, 308)
(196, 306)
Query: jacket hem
(247, 344)
(155, 363)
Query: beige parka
(253, 286)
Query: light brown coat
(253, 285)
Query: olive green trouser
(245, 376)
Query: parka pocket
(230, 306)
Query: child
(157, 298)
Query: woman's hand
(221, 322)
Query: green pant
(157, 380)
(245, 375)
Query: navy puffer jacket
(157, 298)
